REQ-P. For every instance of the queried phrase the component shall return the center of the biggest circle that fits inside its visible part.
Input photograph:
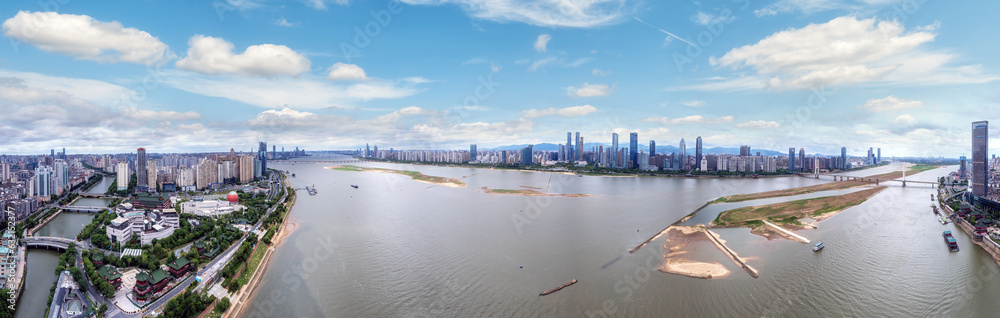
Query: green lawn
(252, 263)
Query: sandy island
(678, 240)
(442, 181)
(531, 193)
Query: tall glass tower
(633, 143)
(980, 158)
(614, 149)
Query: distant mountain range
(645, 147)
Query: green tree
(223, 305)
(5, 312)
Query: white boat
(818, 246)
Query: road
(115, 313)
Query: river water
(395, 247)
(41, 264)
(102, 186)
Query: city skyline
(514, 78)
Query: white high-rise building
(123, 175)
(43, 181)
(151, 173)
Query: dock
(558, 288)
(732, 255)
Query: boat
(354, 186)
(943, 220)
(818, 246)
(950, 240)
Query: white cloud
(706, 19)
(694, 119)
(590, 90)
(212, 56)
(759, 124)
(573, 111)
(285, 23)
(85, 38)
(889, 103)
(90, 90)
(302, 92)
(904, 120)
(845, 51)
(542, 42)
(535, 65)
(346, 72)
(598, 72)
(792, 6)
(562, 13)
(693, 103)
(321, 4)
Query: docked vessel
(943, 220)
(818, 246)
(950, 240)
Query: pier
(732, 255)
(558, 288)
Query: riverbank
(912, 170)
(443, 181)
(285, 227)
(679, 238)
(839, 185)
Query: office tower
(744, 151)
(961, 167)
(791, 159)
(683, 158)
(697, 153)
(123, 175)
(802, 159)
(579, 148)
(262, 156)
(53, 153)
(633, 142)
(614, 149)
(652, 148)
(64, 153)
(569, 146)
(472, 153)
(871, 156)
(878, 159)
(526, 153)
(843, 157)
(43, 181)
(141, 181)
(980, 156)
(151, 174)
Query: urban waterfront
(397, 247)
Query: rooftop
(110, 273)
(179, 263)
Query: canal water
(66, 224)
(41, 264)
(92, 202)
(102, 186)
(395, 247)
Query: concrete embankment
(664, 230)
(32, 231)
(732, 255)
(786, 233)
(987, 244)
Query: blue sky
(907, 76)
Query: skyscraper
(43, 181)
(843, 157)
(262, 156)
(472, 153)
(980, 158)
(614, 150)
(802, 159)
(878, 159)
(578, 150)
(123, 175)
(142, 180)
(652, 148)
(683, 158)
(961, 167)
(791, 159)
(569, 146)
(744, 151)
(633, 142)
(526, 155)
(697, 152)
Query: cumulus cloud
(589, 90)
(759, 124)
(847, 50)
(564, 13)
(346, 72)
(573, 111)
(542, 42)
(889, 103)
(694, 119)
(904, 120)
(213, 56)
(83, 37)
